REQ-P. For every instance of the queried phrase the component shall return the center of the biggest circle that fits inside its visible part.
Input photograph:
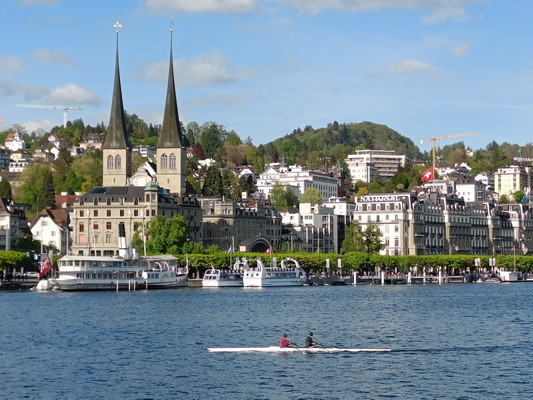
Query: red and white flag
(46, 267)
(269, 250)
(428, 175)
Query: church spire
(171, 135)
(117, 136)
(117, 148)
(170, 151)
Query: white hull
(276, 349)
(120, 284)
(222, 283)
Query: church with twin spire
(97, 214)
(170, 151)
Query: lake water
(453, 341)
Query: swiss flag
(427, 175)
(47, 267)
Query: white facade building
(51, 228)
(299, 179)
(385, 161)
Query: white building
(299, 179)
(51, 228)
(470, 190)
(486, 179)
(15, 141)
(385, 161)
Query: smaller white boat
(233, 277)
(276, 349)
(290, 274)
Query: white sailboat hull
(276, 349)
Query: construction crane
(434, 140)
(64, 108)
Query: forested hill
(333, 138)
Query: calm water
(455, 341)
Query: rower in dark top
(309, 342)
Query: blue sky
(265, 67)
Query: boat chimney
(122, 247)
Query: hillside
(368, 135)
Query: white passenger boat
(276, 349)
(233, 277)
(118, 273)
(290, 274)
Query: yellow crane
(64, 108)
(434, 140)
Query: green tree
(366, 240)
(5, 189)
(47, 195)
(213, 183)
(311, 195)
(278, 196)
(164, 235)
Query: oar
(292, 345)
(323, 347)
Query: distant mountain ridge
(367, 134)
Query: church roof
(117, 136)
(171, 135)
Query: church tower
(117, 147)
(171, 152)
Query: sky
(262, 68)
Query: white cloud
(462, 49)
(73, 94)
(442, 14)
(406, 67)
(26, 3)
(45, 124)
(203, 70)
(27, 92)
(440, 9)
(56, 57)
(202, 6)
(11, 65)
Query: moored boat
(118, 273)
(216, 277)
(289, 274)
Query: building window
(172, 161)
(44, 223)
(110, 163)
(121, 213)
(95, 201)
(81, 239)
(136, 201)
(82, 227)
(82, 213)
(95, 226)
(135, 213)
(108, 200)
(108, 225)
(164, 161)
(108, 238)
(96, 213)
(118, 162)
(108, 213)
